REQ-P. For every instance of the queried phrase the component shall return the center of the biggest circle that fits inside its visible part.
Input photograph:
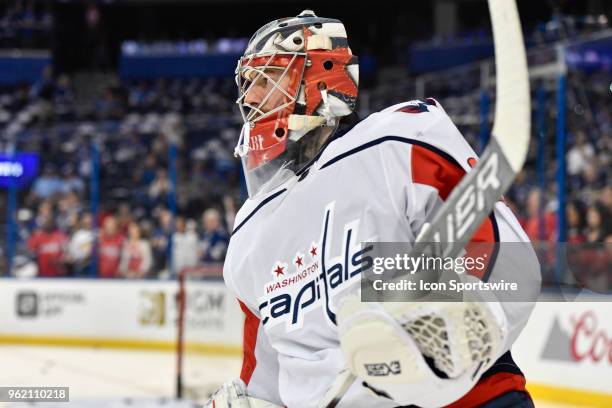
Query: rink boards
(565, 350)
(118, 313)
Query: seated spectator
(136, 258)
(47, 243)
(71, 182)
(80, 246)
(109, 248)
(110, 106)
(48, 184)
(184, 246)
(147, 171)
(160, 187)
(137, 95)
(63, 98)
(213, 244)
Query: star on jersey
(299, 260)
(279, 270)
(313, 250)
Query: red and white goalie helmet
(297, 75)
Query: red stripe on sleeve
(428, 167)
(249, 339)
(431, 168)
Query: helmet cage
(253, 68)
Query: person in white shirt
(136, 257)
(80, 246)
(184, 245)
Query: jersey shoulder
(406, 118)
(423, 121)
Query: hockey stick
(474, 198)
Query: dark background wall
(383, 27)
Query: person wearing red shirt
(539, 228)
(48, 244)
(109, 248)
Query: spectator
(591, 182)
(45, 212)
(184, 246)
(213, 244)
(80, 246)
(598, 223)
(161, 239)
(110, 105)
(136, 258)
(539, 227)
(71, 182)
(229, 207)
(47, 243)
(109, 248)
(68, 209)
(148, 172)
(63, 97)
(44, 87)
(575, 222)
(160, 187)
(124, 218)
(48, 184)
(579, 155)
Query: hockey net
(209, 325)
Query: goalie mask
(297, 76)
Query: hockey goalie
(321, 183)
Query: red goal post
(212, 271)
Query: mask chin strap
(242, 147)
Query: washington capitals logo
(312, 277)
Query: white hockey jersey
(294, 249)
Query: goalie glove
(233, 394)
(423, 353)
